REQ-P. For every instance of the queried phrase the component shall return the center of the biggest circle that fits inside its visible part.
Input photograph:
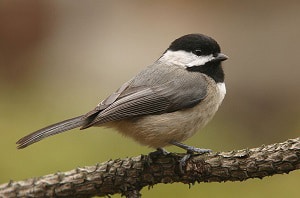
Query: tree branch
(128, 176)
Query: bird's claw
(190, 150)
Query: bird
(164, 104)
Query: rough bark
(128, 176)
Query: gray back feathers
(153, 91)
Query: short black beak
(220, 57)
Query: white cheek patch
(222, 90)
(185, 59)
(200, 60)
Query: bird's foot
(190, 150)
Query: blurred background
(58, 59)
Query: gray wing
(183, 91)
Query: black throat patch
(212, 69)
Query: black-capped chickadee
(165, 104)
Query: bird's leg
(190, 150)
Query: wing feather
(143, 102)
(171, 90)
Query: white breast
(222, 90)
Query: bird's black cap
(196, 43)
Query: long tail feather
(50, 130)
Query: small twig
(128, 176)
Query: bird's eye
(197, 52)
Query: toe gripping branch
(189, 151)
